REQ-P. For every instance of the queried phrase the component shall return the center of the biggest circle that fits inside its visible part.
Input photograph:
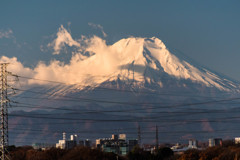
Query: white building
(61, 144)
(193, 144)
(237, 140)
(122, 136)
(67, 144)
(73, 137)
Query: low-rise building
(215, 142)
(42, 146)
(237, 140)
(117, 144)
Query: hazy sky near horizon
(208, 32)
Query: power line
(86, 111)
(153, 105)
(134, 119)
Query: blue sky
(205, 31)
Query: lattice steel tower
(139, 137)
(4, 112)
(156, 146)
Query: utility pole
(156, 137)
(4, 112)
(139, 137)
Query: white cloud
(92, 63)
(98, 26)
(74, 72)
(42, 48)
(63, 38)
(6, 34)
(88, 64)
(17, 68)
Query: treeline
(227, 152)
(84, 153)
(163, 153)
(77, 153)
(212, 153)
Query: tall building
(73, 137)
(67, 144)
(193, 143)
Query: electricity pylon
(4, 112)
(156, 137)
(139, 137)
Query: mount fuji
(142, 62)
(135, 81)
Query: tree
(85, 153)
(138, 153)
(163, 153)
(191, 154)
(211, 153)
